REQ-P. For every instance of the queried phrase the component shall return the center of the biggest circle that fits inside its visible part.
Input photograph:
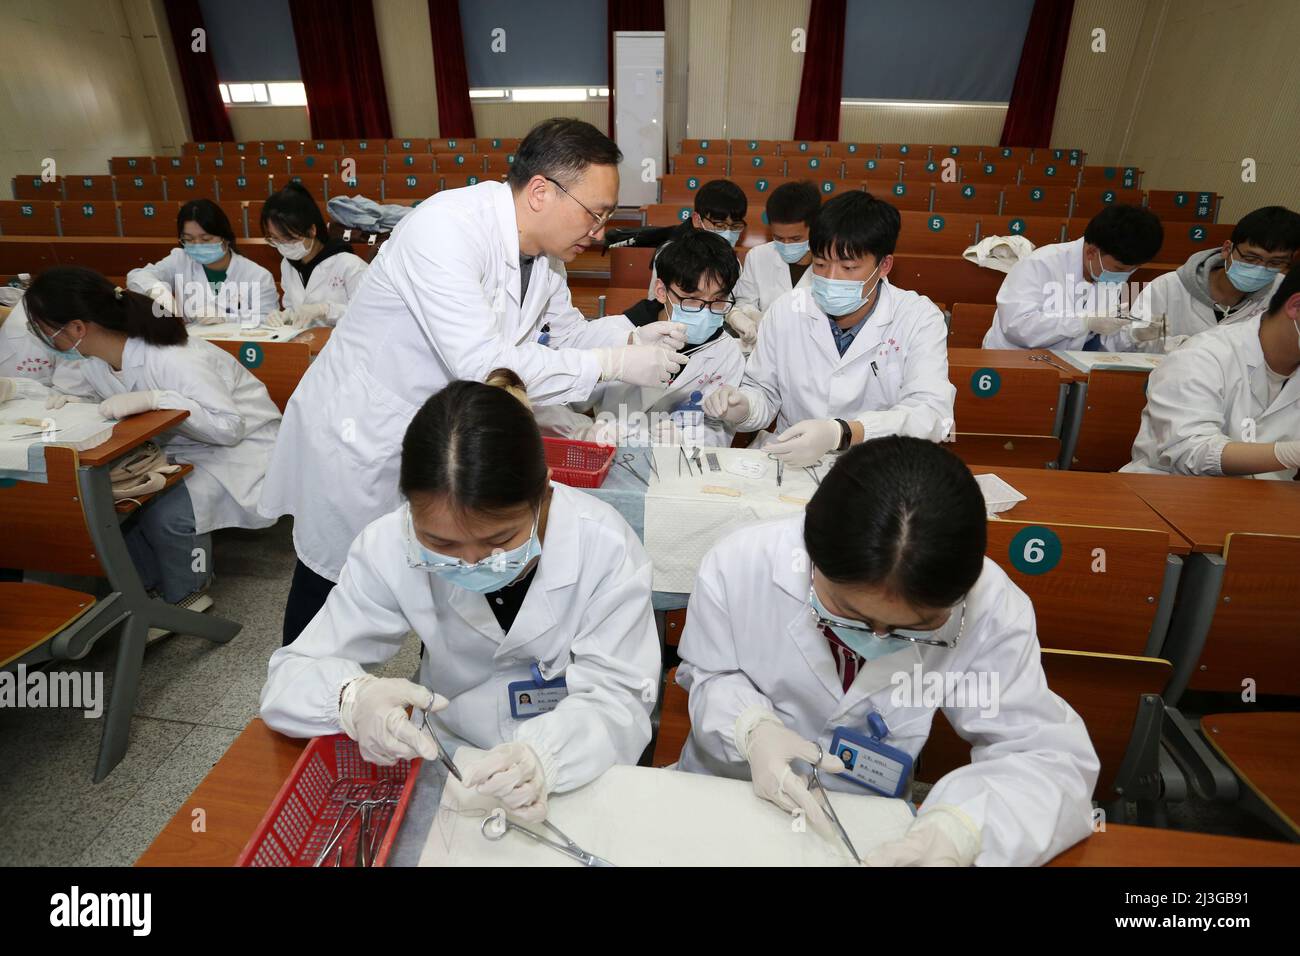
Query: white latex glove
(668, 335)
(769, 746)
(1146, 333)
(373, 713)
(726, 403)
(1288, 453)
(1174, 341)
(744, 319)
(804, 443)
(299, 318)
(58, 400)
(8, 389)
(944, 836)
(512, 773)
(648, 365)
(1103, 324)
(128, 403)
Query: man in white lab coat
(849, 358)
(1069, 294)
(1214, 287)
(776, 267)
(1228, 401)
(471, 281)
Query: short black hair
(721, 200)
(697, 256)
(293, 211)
(1272, 228)
(794, 202)
(1289, 287)
(561, 148)
(1131, 234)
(855, 224)
(208, 215)
(901, 513)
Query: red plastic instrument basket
(581, 464)
(302, 815)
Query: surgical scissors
(495, 826)
(780, 468)
(625, 462)
(443, 756)
(830, 809)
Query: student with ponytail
(115, 347)
(319, 275)
(532, 600)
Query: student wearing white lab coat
(825, 624)
(856, 359)
(206, 280)
(720, 207)
(1214, 287)
(774, 268)
(26, 363)
(508, 579)
(319, 275)
(472, 280)
(116, 350)
(696, 274)
(1069, 294)
(1227, 402)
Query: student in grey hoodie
(1215, 286)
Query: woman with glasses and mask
(825, 632)
(319, 275)
(206, 281)
(514, 585)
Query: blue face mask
(731, 235)
(1108, 277)
(491, 574)
(700, 326)
(1250, 278)
(841, 296)
(205, 253)
(791, 252)
(65, 355)
(863, 644)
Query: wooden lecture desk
(240, 787)
(1206, 510)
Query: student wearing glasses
(206, 280)
(513, 584)
(1214, 287)
(472, 280)
(720, 207)
(819, 631)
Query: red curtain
(1038, 78)
(629, 15)
(451, 79)
(208, 119)
(338, 53)
(818, 115)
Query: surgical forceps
(497, 825)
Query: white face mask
(294, 250)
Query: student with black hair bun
(319, 275)
(114, 347)
(828, 631)
(206, 280)
(513, 583)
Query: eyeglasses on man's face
(599, 220)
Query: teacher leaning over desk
(471, 281)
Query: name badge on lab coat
(531, 698)
(871, 763)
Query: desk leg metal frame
(1165, 609)
(141, 612)
(1073, 421)
(1198, 595)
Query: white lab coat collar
(503, 201)
(557, 568)
(868, 336)
(1253, 356)
(133, 353)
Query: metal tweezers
(443, 756)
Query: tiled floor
(195, 698)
